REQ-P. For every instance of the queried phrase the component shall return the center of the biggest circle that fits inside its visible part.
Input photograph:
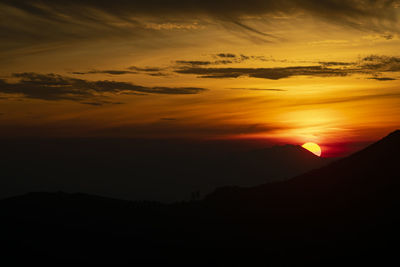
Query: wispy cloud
(194, 62)
(58, 87)
(146, 69)
(260, 89)
(111, 72)
(44, 21)
(380, 63)
(264, 73)
(383, 79)
(220, 59)
(226, 55)
(152, 71)
(374, 65)
(347, 99)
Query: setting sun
(313, 147)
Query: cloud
(383, 79)
(158, 74)
(152, 71)
(205, 63)
(146, 69)
(336, 100)
(101, 103)
(173, 26)
(227, 55)
(111, 72)
(373, 65)
(221, 59)
(227, 58)
(380, 63)
(57, 87)
(335, 63)
(27, 21)
(194, 62)
(264, 73)
(260, 89)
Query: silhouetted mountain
(275, 163)
(341, 214)
(364, 173)
(162, 170)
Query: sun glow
(313, 147)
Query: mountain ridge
(153, 170)
(332, 215)
(348, 175)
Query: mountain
(345, 213)
(345, 210)
(162, 170)
(373, 170)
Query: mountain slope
(346, 210)
(344, 213)
(370, 170)
(158, 170)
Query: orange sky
(296, 71)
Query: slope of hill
(149, 169)
(344, 213)
(364, 173)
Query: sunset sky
(292, 71)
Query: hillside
(343, 213)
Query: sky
(291, 71)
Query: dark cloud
(206, 63)
(380, 63)
(260, 89)
(101, 103)
(57, 87)
(335, 63)
(146, 69)
(153, 71)
(158, 74)
(112, 72)
(228, 55)
(373, 65)
(383, 79)
(168, 119)
(227, 59)
(388, 36)
(225, 62)
(194, 62)
(265, 73)
(220, 59)
(27, 21)
(230, 8)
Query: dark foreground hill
(344, 213)
(161, 170)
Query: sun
(313, 147)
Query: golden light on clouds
(184, 71)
